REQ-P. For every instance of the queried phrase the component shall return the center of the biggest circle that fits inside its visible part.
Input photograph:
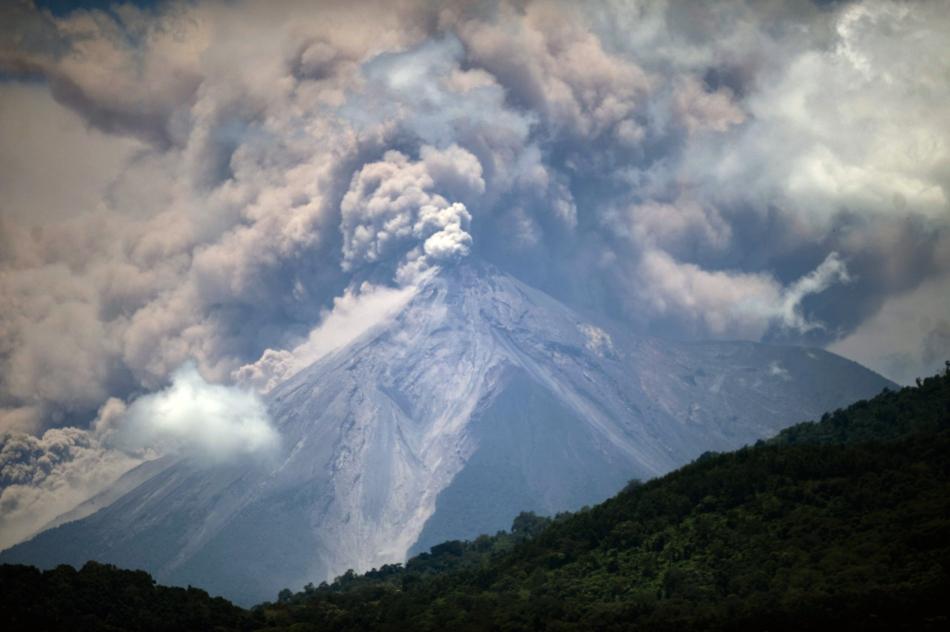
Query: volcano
(481, 398)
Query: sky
(195, 196)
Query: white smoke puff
(831, 271)
(451, 241)
(192, 417)
(358, 310)
(597, 341)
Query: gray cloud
(247, 171)
(390, 203)
(730, 303)
(46, 476)
(909, 337)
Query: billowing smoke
(391, 203)
(354, 313)
(227, 183)
(43, 477)
(731, 304)
(213, 422)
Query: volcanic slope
(481, 398)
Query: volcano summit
(480, 398)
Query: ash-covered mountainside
(481, 398)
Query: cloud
(45, 476)
(555, 67)
(208, 422)
(701, 110)
(211, 180)
(856, 120)
(730, 303)
(684, 226)
(390, 207)
(354, 313)
(908, 338)
(59, 164)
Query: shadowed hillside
(103, 597)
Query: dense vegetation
(103, 597)
(842, 522)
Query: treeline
(843, 522)
(103, 597)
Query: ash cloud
(230, 176)
(391, 203)
(42, 477)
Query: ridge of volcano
(482, 397)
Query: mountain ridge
(386, 438)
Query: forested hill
(103, 597)
(843, 522)
(890, 416)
